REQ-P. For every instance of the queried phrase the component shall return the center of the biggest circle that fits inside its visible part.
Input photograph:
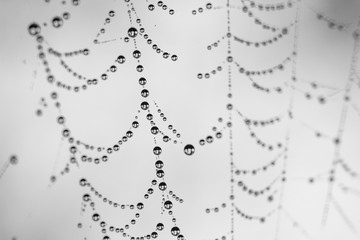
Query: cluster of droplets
(216, 209)
(75, 53)
(259, 192)
(276, 38)
(269, 90)
(102, 30)
(208, 6)
(156, 130)
(322, 98)
(332, 24)
(216, 43)
(271, 6)
(167, 205)
(260, 142)
(270, 70)
(271, 164)
(275, 186)
(80, 151)
(261, 219)
(74, 2)
(218, 132)
(34, 30)
(245, 9)
(161, 5)
(207, 75)
(262, 123)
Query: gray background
(32, 208)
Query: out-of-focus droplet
(13, 160)
(132, 32)
(57, 22)
(157, 150)
(34, 29)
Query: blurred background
(296, 149)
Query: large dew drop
(189, 149)
(132, 32)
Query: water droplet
(66, 15)
(121, 59)
(162, 186)
(168, 205)
(154, 130)
(157, 150)
(135, 124)
(13, 160)
(57, 22)
(96, 217)
(140, 205)
(136, 54)
(174, 57)
(145, 93)
(159, 164)
(34, 29)
(82, 182)
(139, 68)
(189, 149)
(144, 105)
(160, 226)
(149, 116)
(160, 173)
(142, 81)
(86, 197)
(113, 68)
(175, 231)
(132, 32)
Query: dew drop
(157, 150)
(160, 226)
(57, 22)
(189, 149)
(175, 231)
(136, 54)
(34, 29)
(132, 32)
(96, 217)
(168, 205)
(144, 105)
(162, 186)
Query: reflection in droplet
(57, 22)
(189, 149)
(121, 59)
(132, 32)
(34, 29)
(175, 231)
(157, 150)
